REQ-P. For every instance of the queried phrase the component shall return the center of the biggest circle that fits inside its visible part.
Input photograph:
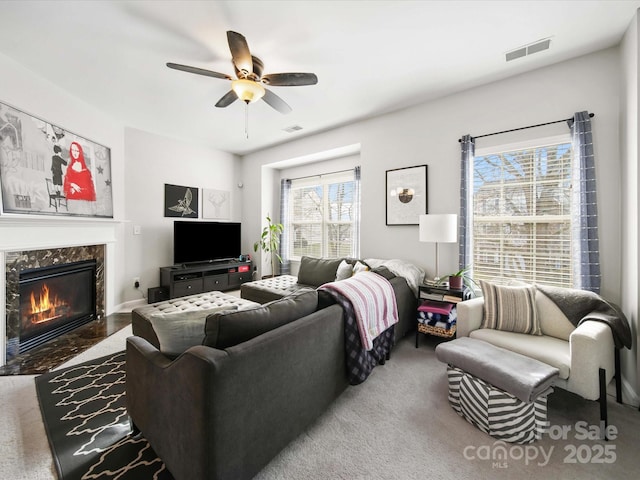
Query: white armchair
(585, 355)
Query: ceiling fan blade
(227, 99)
(290, 79)
(240, 52)
(199, 71)
(276, 102)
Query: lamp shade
(439, 228)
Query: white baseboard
(128, 306)
(629, 396)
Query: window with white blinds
(322, 212)
(522, 213)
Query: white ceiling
(370, 57)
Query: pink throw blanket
(373, 301)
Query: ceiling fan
(248, 85)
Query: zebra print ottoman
(495, 412)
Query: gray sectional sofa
(262, 375)
(314, 272)
(224, 413)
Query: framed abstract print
(406, 192)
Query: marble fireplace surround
(27, 243)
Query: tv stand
(190, 279)
(206, 263)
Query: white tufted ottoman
(203, 301)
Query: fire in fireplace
(54, 300)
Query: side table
(436, 313)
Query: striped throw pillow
(511, 309)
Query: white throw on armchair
(585, 355)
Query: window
(521, 213)
(323, 216)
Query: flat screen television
(202, 242)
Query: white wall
(428, 134)
(153, 161)
(629, 98)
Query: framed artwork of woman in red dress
(44, 167)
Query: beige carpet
(399, 425)
(396, 425)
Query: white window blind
(522, 213)
(322, 213)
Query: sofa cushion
(178, 331)
(317, 271)
(225, 329)
(511, 309)
(549, 350)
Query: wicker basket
(438, 331)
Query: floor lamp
(439, 228)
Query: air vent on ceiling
(292, 128)
(535, 47)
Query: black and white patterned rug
(84, 413)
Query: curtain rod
(320, 175)
(591, 115)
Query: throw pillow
(384, 272)
(360, 267)
(317, 271)
(345, 270)
(179, 331)
(226, 329)
(511, 309)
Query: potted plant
(461, 279)
(270, 241)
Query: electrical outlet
(136, 282)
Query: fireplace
(54, 300)
(21, 270)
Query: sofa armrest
(470, 314)
(407, 304)
(591, 348)
(169, 401)
(141, 327)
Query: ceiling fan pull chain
(246, 120)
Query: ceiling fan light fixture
(247, 90)
(248, 87)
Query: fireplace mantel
(32, 232)
(21, 232)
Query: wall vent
(532, 48)
(292, 128)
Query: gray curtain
(585, 210)
(468, 147)
(285, 188)
(356, 216)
